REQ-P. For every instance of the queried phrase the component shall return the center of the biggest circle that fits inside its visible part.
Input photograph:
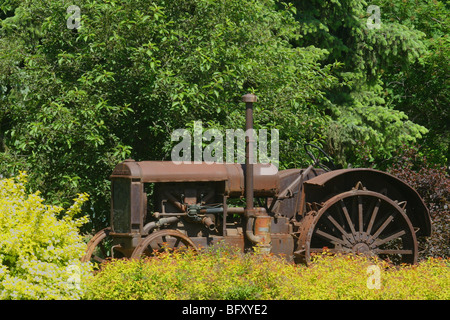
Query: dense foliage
(226, 274)
(362, 118)
(421, 90)
(40, 245)
(75, 102)
(432, 182)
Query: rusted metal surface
(231, 173)
(162, 240)
(294, 212)
(93, 244)
(249, 99)
(262, 226)
(319, 188)
(358, 221)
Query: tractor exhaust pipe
(257, 218)
(249, 99)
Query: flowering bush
(39, 252)
(231, 275)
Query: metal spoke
(360, 214)
(329, 237)
(347, 216)
(382, 227)
(347, 237)
(373, 216)
(98, 259)
(159, 242)
(394, 251)
(379, 242)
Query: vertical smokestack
(249, 99)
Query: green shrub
(39, 252)
(229, 275)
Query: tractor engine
(203, 202)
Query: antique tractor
(299, 212)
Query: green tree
(364, 119)
(75, 102)
(422, 89)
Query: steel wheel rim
(97, 242)
(156, 242)
(363, 222)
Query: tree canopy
(76, 101)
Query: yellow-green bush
(39, 252)
(227, 274)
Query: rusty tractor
(299, 212)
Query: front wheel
(162, 240)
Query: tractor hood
(266, 178)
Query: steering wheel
(329, 163)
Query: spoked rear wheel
(362, 222)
